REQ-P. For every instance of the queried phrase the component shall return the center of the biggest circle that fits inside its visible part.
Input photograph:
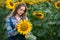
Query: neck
(17, 15)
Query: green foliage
(3, 14)
(47, 28)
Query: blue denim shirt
(11, 31)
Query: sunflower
(19, 0)
(38, 1)
(24, 27)
(7, 1)
(57, 4)
(38, 14)
(10, 4)
(48, 0)
(31, 2)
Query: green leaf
(45, 26)
(57, 17)
(58, 32)
(31, 37)
(41, 33)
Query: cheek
(18, 11)
(21, 11)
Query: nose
(22, 11)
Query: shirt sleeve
(9, 28)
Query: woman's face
(21, 10)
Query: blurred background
(43, 14)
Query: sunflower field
(43, 14)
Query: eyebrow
(22, 9)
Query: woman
(18, 14)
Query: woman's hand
(15, 27)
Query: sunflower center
(38, 15)
(19, 0)
(24, 27)
(58, 4)
(11, 3)
(48, 0)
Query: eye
(22, 10)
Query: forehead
(22, 7)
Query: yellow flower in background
(7, 1)
(38, 1)
(57, 4)
(38, 14)
(31, 2)
(48, 0)
(24, 27)
(19, 0)
(10, 4)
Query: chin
(20, 15)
